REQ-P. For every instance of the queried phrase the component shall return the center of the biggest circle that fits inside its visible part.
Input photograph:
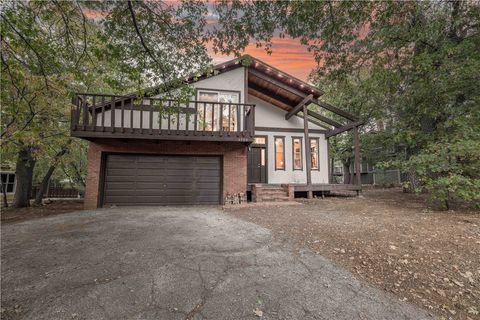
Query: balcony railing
(111, 116)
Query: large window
(297, 153)
(314, 153)
(211, 113)
(8, 182)
(279, 153)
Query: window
(8, 182)
(209, 114)
(297, 153)
(259, 140)
(314, 153)
(279, 153)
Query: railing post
(112, 116)
(94, 113)
(141, 115)
(252, 125)
(85, 113)
(195, 119)
(72, 112)
(123, 115)
(103, 113)
(150, 122)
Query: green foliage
(410, 69)
(52, 49)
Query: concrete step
(272, 199)
(271, 192)
(269, 189)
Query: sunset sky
(288, 55)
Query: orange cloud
(287, 55)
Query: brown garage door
(162, 180)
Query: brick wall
(234, 161)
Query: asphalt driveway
(174, 263)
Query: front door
(257, 169)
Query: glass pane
(314, 153)
(208, 96)
(11, 178)
(231, 97)
(279, 156)
(297, 154)
(262, 157)
(229, 117)
(10, 187)
(259, 140)
(4, 177)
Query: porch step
(270, 193)
(273, 199)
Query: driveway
(174, 263)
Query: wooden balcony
(96, 116)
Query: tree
(410, 69)
(52, 49)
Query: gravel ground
(391, 240)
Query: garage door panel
(162, 180)
(119, 185)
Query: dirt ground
(393, 241)
(10, 215)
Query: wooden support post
(356, 152)
(308, 156)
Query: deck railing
(101, 115)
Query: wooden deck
(95, 116)
(319, 187)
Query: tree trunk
(4, 195)
(24, 175)
(412, 182)
(44, 185)
(346, 172)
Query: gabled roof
(255, 65)
(278, 88)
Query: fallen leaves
(430, 259)
(258, 312)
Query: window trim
(283, 152)
(301, 153)
(14, 184)
(318, 153)
(260, 136)
(197, 93)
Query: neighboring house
(245, 130)
(370, 175)
(9, 181)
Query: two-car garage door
(161, 180)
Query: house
(247, 129)
(9, 181)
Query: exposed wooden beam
(324, 119)
(284, 101)
(344, 128)
(356, 152)
(299, 106)
(336, 110)
(318, 123)
(308, 156)
(278, 83)
(301, 94)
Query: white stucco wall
(267, 115)
(233, 80)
